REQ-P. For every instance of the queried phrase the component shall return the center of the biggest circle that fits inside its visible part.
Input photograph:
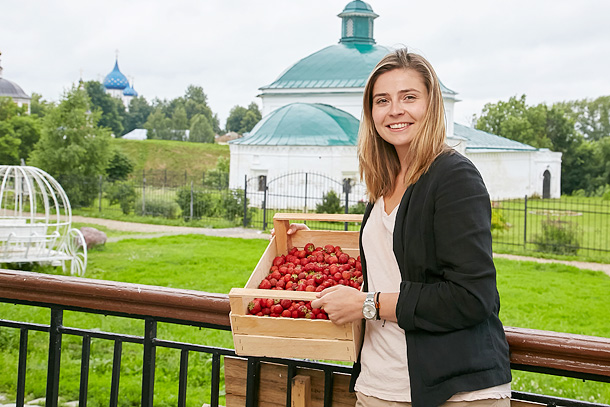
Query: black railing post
(183, 376)
(265, 206)
(116, 373)
(23, 357)
(525, 223)
(52, 393)
(148, 368)
(246, 200)
(252, 382)
(100, 196)
(214, 397)
(84, 371)
(305, 209)
(191, 205)
(347, 186)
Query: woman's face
(400, 102)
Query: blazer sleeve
(459, 291)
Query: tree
(18, 132)
(591, 117)
(73, 148)
(112, 109)
(119, 167)
(516, 121)
(242, 120)
(135, 118)
(39, 106)
(158, 126)
(201, 130)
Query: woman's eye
(380, 101)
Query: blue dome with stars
(115, 79)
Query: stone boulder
(93, 237)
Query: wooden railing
(561, 354)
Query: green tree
(591, 116)
(135, 118)
(119, 167)
(39, 106)
(242, 120)
(73, 148)
(158, 126)
(201, 130)
(18, 132)
(331, 203)
(236, 115)
(516, 121)
(112, 109)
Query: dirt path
(149, 231)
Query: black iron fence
(567, 226)
(567, 355)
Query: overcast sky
(485, 50)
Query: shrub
(331, 203)
(203, 203)
(119, 167)
(124, 194)
(360, 207)
(232, 204)
(558, 237)
(498, 221)
(158, 207)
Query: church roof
(345, 65)
(304, 124)
(477, 140)
(115, 79)
(12, 90)
(130, 91)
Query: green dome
(345, 65)
(304, 124)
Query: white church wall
(506, 174)
(275, 162)
(546, 160)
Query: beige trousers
(369, 401)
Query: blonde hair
(379, 162)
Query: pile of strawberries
(309, 269)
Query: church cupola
(357, 23)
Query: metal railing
(578, 356)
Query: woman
(432, 336)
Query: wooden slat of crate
(290, 328)
(272, 385)
(281, 346)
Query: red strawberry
(329, 248)
(279, 260)
(265, 285)
(285, 303)
(309, 248)
(286, 314)
(254, 306)
(277, 309)
(343, 258)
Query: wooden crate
(287, 337)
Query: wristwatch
(370, 307)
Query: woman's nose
(396, 109)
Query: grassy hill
(171, 155)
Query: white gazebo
(36, 221)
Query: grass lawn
(550, 297)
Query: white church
(310, 123)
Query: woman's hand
(292, 229)
(342, 304)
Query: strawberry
(254, 306)
(277, 309)
(343, 258)
(329, 248)
(309, 248)
(265, 285)
(286, 303)
(279, 260)
(286, 314)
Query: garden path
(147, 231)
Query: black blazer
(448, 303)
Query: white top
(385, 372)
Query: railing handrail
(531, 349)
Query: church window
(349, 28)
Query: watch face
(369, 311)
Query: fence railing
(583, 357)
(566, 226)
